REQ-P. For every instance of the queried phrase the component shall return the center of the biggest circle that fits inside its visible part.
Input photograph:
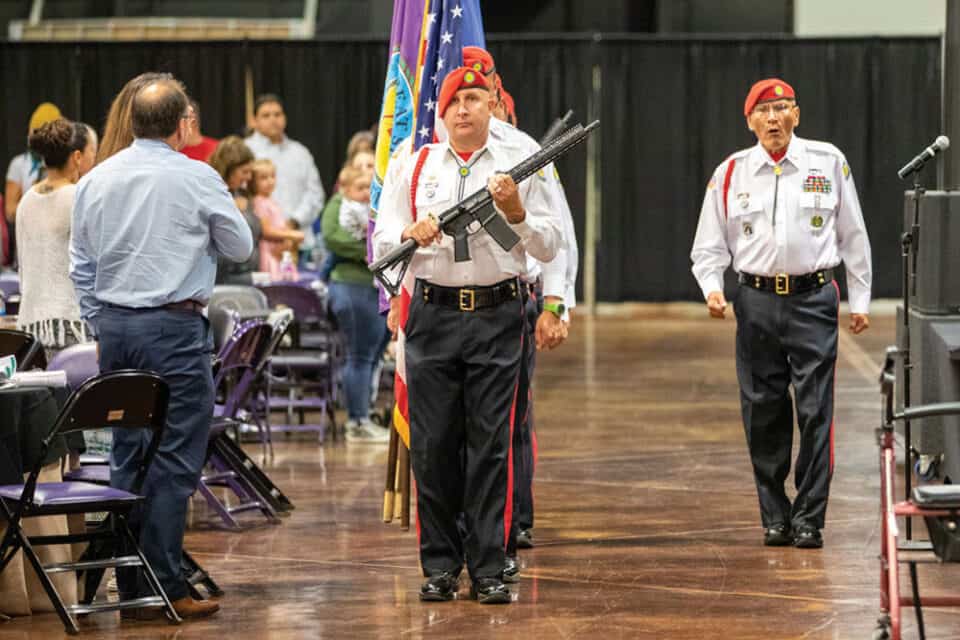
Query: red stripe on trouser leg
(533, 441)
(833, 405)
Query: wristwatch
(556, 308)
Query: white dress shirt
(794, 217)
(559, 276)
(442, 185)
(299, 191)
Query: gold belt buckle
(782, 284)
(468, 300)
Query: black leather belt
(470, 298)
(185, 305)
(182, 305)
(783, 284)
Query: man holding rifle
(464, 336)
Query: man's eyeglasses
(777, 108)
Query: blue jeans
(358, 314)
(177, 345)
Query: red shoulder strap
(726, 185)
(424, 152)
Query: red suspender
(726, 185)
(424, 152)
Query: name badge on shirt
(430, 187)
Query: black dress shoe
(439, 588)
(807, 537)
(777, 535)
(525, 539)
(490, 591)
(511, 570)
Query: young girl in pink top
(278, 236)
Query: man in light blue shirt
(148, 224)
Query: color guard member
(463, 337)
(786, 211)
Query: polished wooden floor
(647, 522)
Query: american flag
(450, 26)
(446, 26)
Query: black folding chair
(25, 346)
(119, 400)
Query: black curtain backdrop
(671, 111)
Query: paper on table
(40, 378)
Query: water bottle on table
(288, 270)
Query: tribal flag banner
(426, 43)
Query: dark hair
(263, 99)
(55, 141)
(230, 153)
(157, 109)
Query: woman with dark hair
(233, 160)
(48, 306)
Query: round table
(26, 416)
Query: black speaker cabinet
(935, 377)
(937, 288)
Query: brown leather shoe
(187, 608)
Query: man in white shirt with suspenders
(463, 337)
(785, 211)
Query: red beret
(766, 90)
(509, 105)
(478, 59)
(459, 78)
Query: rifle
(556, 128)
(479, 208)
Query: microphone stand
(908, 251)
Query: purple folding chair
(80, 364)
(308, 373)
(119, 400)
(10, 288)
(235, 377)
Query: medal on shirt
(747, 229)
(744, 199)
(816, 221)
(817, 184)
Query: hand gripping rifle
(479, 208)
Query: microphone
(941, 143)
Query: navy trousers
(462, 369)
(177, 345)
(523, 435)
(785, 341)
